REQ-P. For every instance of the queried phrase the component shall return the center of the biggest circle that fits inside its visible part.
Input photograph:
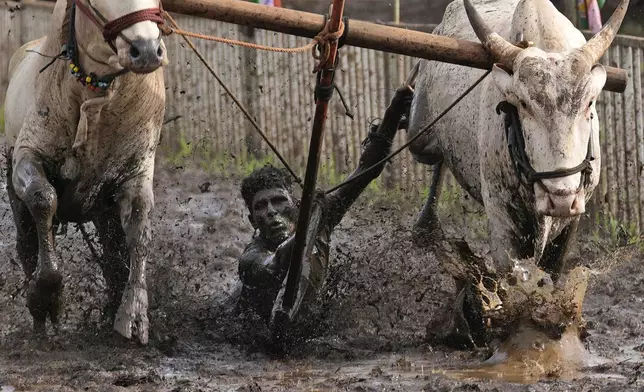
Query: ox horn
(594, 49)
(503, 51)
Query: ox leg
(113, 261)
(467, 328)
(135, 202)
(34, 204)
(553, 259)
(26, 233)
(427, 225)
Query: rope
(232, 96)
(323, 40)
(419, 134)
(320, 41)
(240, 43)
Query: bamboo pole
(360, 33)
(308, 193)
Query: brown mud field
(383, 293)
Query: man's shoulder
(255, 247)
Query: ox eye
(523, 104)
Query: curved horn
(594, 49)
(502, 50)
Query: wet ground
(384, 291)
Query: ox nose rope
(524, 170)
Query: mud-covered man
(273, 211)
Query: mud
(383, 293)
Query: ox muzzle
(553, 202)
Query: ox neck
(95, 72)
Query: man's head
(271, 205)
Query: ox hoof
(132, 319)
(45, 298)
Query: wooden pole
(327, 71)
(250, 83)
(401, 60)
(361, 34)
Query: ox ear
(598, 78)
(502, 78)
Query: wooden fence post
(570, 10)
(250, 99)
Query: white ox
(82, 134)
(554, 85)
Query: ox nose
(561, 198)
(564, 205)
(146, 55)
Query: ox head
(131, 29)
(555, 95)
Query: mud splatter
(383, 292)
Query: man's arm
(376, 147)
(259, 266)
(256, 266)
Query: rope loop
(324, 39)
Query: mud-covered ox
(81, 135)
(533, 196)
(553, 84)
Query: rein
(524, 170)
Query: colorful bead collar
(93, 82)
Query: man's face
(273, 214)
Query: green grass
(612, 233)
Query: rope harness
(523, 169)
(113, 29)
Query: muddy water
(384, 293)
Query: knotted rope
(321, 42)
